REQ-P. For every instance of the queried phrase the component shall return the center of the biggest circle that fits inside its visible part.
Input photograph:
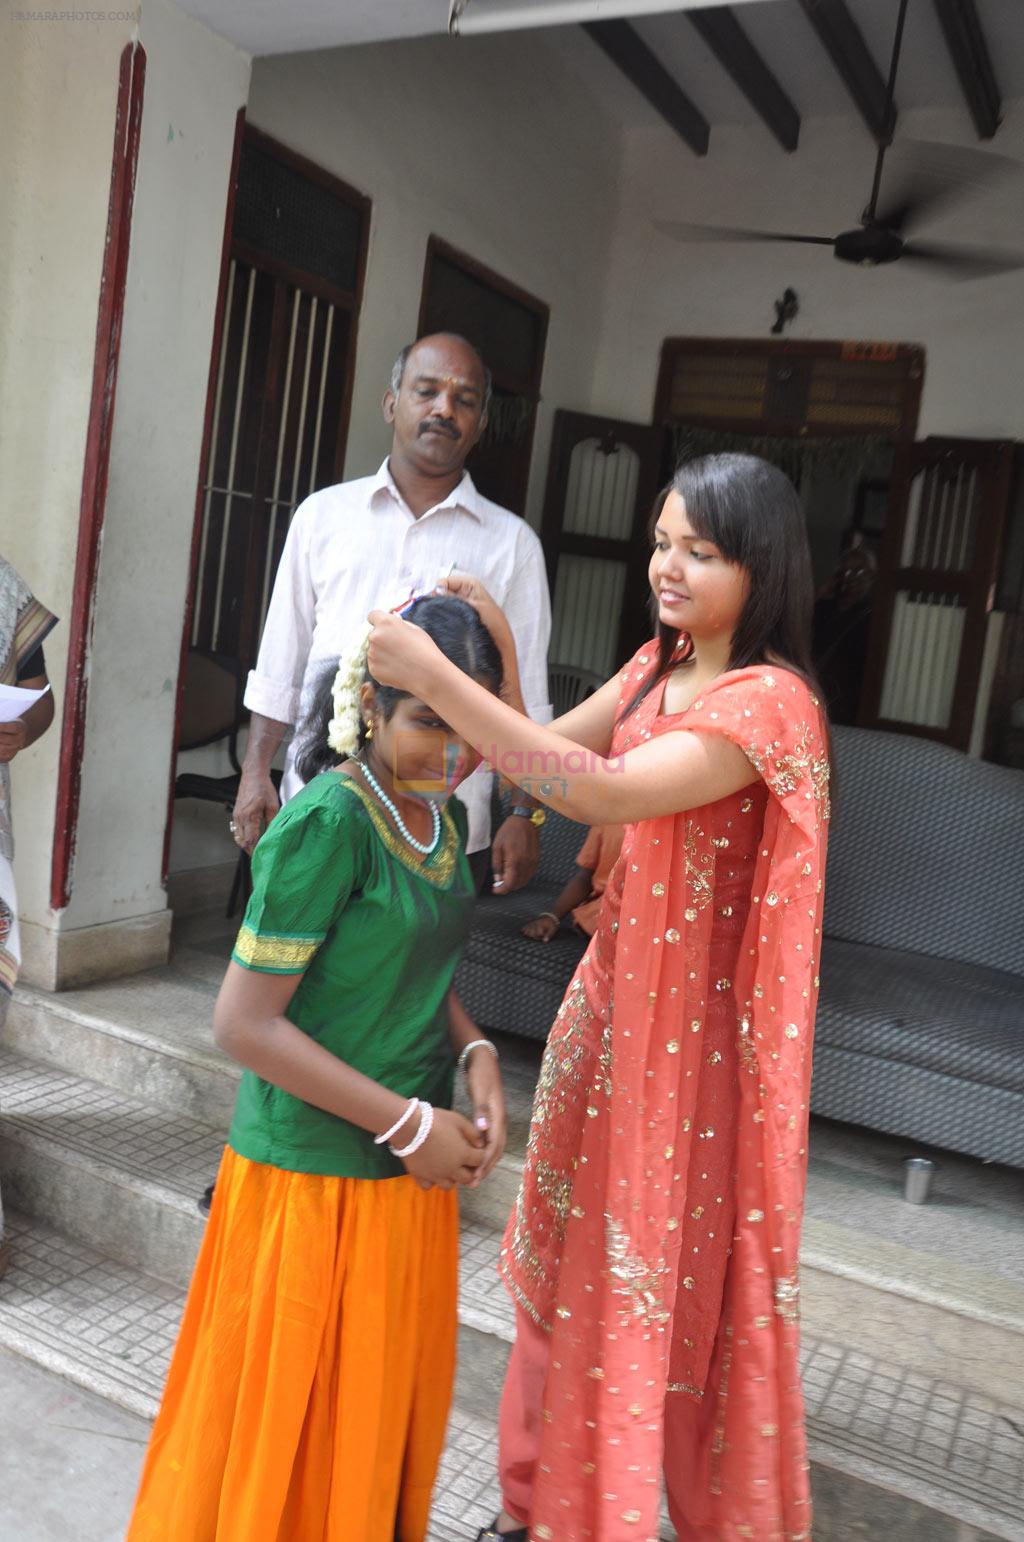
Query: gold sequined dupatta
(615, 1265)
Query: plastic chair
(570, 684)
(212, 710)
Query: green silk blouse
(341, 899)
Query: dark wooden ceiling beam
(965, 39)
(627, 49)
(845, 45)
(740, 59)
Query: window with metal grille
(282, 380)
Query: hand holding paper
(15, 702)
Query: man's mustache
(439, 426)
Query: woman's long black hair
(752, 512)
(460, 634)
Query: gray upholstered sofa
(505, 980)
(920, 1028)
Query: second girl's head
(731, 561)
(399, 734)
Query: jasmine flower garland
(343, 730)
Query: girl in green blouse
(309, 1389)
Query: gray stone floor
(69, 1460)
(65, 1452)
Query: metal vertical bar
(278, 464)
(208, 490)
(320, 402)
(230, 482)
(303, 400)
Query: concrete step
(148, 1035)
(923, 1313)
(906, 1292)
(103, 1167)
(927, 1309)
(887, 1457)
(913, 1329)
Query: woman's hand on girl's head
(463, 586)
(483, 1079)
(400, 654)
(452, 1153)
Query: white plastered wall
(58, 95)
(195, 84)
(490, 143)
(657, 287)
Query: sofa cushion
(926, 850)
(496, 941)
(960, 1019)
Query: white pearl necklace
(424, 849)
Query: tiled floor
(115, 1328)
(467, 1495)
(956, 1441)
(78, 1312)
(97, 1122)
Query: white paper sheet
(15, 701)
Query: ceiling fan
(885, 232)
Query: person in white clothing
(373, 542)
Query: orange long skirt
(309, 1389)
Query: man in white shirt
(371, 543)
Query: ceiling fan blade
(925, 178)
(962, 262)
(684, 232)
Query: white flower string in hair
(343, 730)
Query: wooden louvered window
(790, 388)
(933, 604)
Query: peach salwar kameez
(653, 1248)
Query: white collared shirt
(358, 546)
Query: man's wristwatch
(536, 816)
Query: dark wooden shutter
(936, 587)
(602, 479)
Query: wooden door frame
(230, 249)
(438, 247)
(341, 299)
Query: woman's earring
(369, 728)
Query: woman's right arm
(590, 724)
(250, 1025)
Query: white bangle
(380, 1140)
(469, 1048)
(550, 914)
(426, 1125)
